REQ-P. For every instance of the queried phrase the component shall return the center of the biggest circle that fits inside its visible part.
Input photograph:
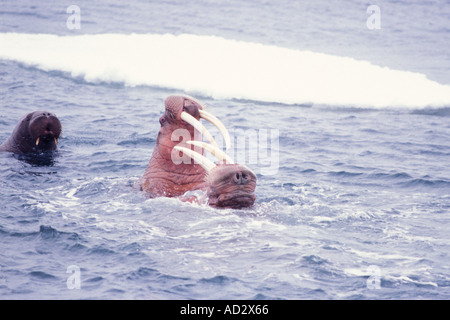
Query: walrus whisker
(207, 164)
(197, 125)
(219, 154)
(213, 119)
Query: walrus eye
(162, 120)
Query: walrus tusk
(211, 118)
(197, 125)
(56, 141)
(219, 154)
(207, 164)
(37, 141)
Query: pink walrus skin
(227, 185)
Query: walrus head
(44, 129)
(37, 133)
(231, 186)
(175, 168)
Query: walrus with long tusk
(37, 132)
(227, 185)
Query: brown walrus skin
(227, 185)
(37, 132)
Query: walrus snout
(241, 178)
(192, 108)
(45, 125)
(231, 186)
(52, 129)
(45, 130)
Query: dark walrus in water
(37, 133)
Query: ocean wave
(225, 69)
(432, 183)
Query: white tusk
(197, 125)
(219, 154)
(207, 164)
(37, 141)
(211, 118)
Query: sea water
(350, 104)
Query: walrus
(171, 173)
(37, 132)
